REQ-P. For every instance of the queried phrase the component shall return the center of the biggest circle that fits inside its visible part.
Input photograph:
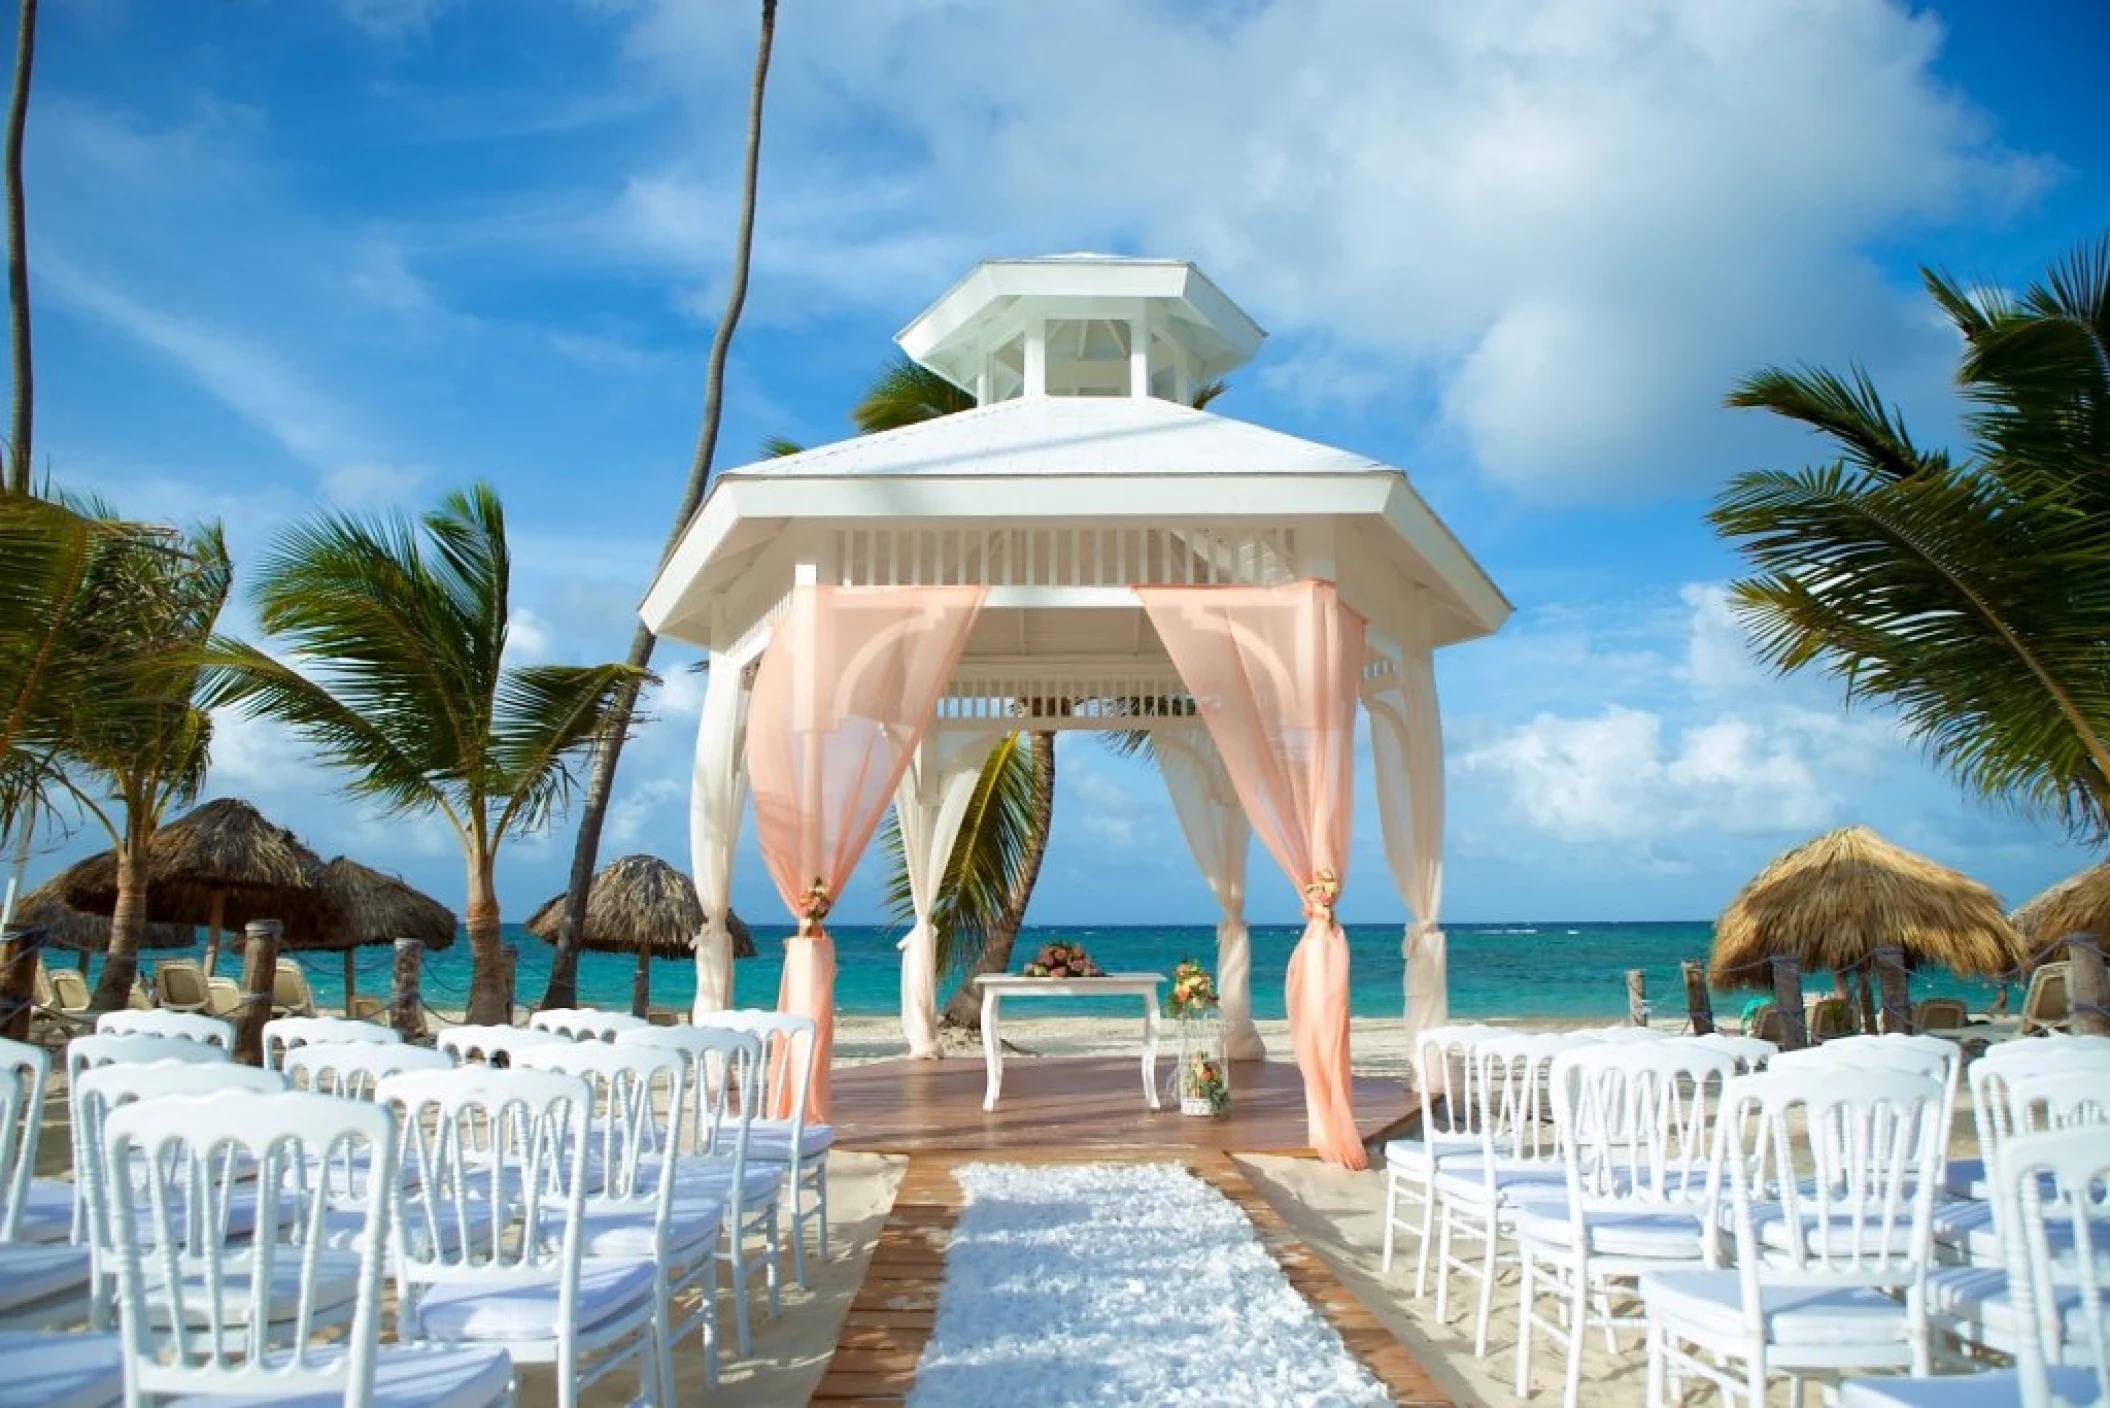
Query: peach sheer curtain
(847, 685)
(1275, 672)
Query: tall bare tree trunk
(964, 1008)
(487, 982)
(128, 923)
(563, 989)
(19, 452)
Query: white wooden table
(998, 986)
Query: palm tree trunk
(128, 925)
(964, 1009)
(487, 982)
(19, 458)
(563, 990)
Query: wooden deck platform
(1095, 1103)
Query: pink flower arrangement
(1193, 991)
(1063, 960)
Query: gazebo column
(1219, 835)
(717, 788)
(930, 803)
(1406, 737)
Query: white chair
(1749, 1052)
(2062, 1340)
(32, 1209)
(1991, 1075)
(281, 1034)
(584, 1023)
(1635, 1123)
(640, 1099)
(231, 1195)
(1443, 1065)
(1853, 1156)
(488, 1045)
(1621, 1036)
(1519, 1156)
(87, 1053)
(204, 1314)
(1928, 1052)
(788, 1042)
(725, 1085)
(350, 1071)
(161, 1022)
(484, 1144)
(61, 1370)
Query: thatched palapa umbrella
(2079, 904)
(1832, 902)
(223, 865)
(364, 906)
(640, 905)
(67, 927)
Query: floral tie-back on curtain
(1275, 672)
(847, 686)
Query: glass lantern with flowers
(1202, 1079)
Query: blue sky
(356, 252)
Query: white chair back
(488, 1045)
(350, 1071)
(25, 1073)
(1635, 1120)
(788, 1042)
(281, 1034)
(1621, 1036)
(1511, 1078)
(585, 1023)
(1930, 1052)
(87, 1053)
(1993, 1080)
(161, 1022)
(1443, 1074)
(205, 1312)
(1749, 1052)
(640, 1099)
(489, 1151)
(2062, 1099)
(2047, 1180)
(2053, 1046)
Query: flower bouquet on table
(1062, 959)
(1202, 1079)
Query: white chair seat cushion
(771, 1139)
(1707, 1306)
(1419, 1156)
(61, 1370)
(629, 1232)
(1976, 1298)
(409, 1376)
(2001, 1388)
(30, 1276)
(1666, 1234)
(1770, 1222)
(1464, 1181)
(47, 1212)
(1967, 1229)
(1966, 1178)
(336, 1283)
(527, 1309)
(759, 1182)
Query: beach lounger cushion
(60, 1370)
(406, 1377)
(1626, 1231)
(1708, 1306)
(1994, 1388)
(1977, 1301)
(482, 1310)
(36, 1277)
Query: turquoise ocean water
(1497, 970)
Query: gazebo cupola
(1082, 325)
(1082, 550)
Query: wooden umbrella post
(259, 978)
(406, 1006)
(1637, 997)
(1699, 1007)
(1897, 990)
(1787, 1001)
(2087, 990)
(20, 952)
(351, 980)
(641, 983)
(212, 939)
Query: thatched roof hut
(640, 905)
(2079, 904)
(1831, 902)
(67, 927)
(223, 865)
(363, 907)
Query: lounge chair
(59, 1009)
(367, 1009)
(1833, 1016)
(182, 985)
(289, 991)
(1939, 1014)
(2047, 1006)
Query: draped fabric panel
(1406, 739)
(1218, 835)
(846, 689)
(1275, 673)
(717, 788)
(930, 804)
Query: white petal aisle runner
(1121, 1284)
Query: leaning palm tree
(1971, 595)
(404, 635)
(19, 448)
(563, 990)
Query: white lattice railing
(1063, 557)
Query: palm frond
(1850, 412)
(546, 717)
(1208, 391)
(907, 393)
(776, 447)
(985, 858)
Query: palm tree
(18, 444)
(405, 635)
(563, 989)
(1971, 595)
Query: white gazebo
(1045, 547)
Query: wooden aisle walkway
(891, 1319)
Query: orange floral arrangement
(1320, 893)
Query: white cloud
(369, 483)
(393, 19)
